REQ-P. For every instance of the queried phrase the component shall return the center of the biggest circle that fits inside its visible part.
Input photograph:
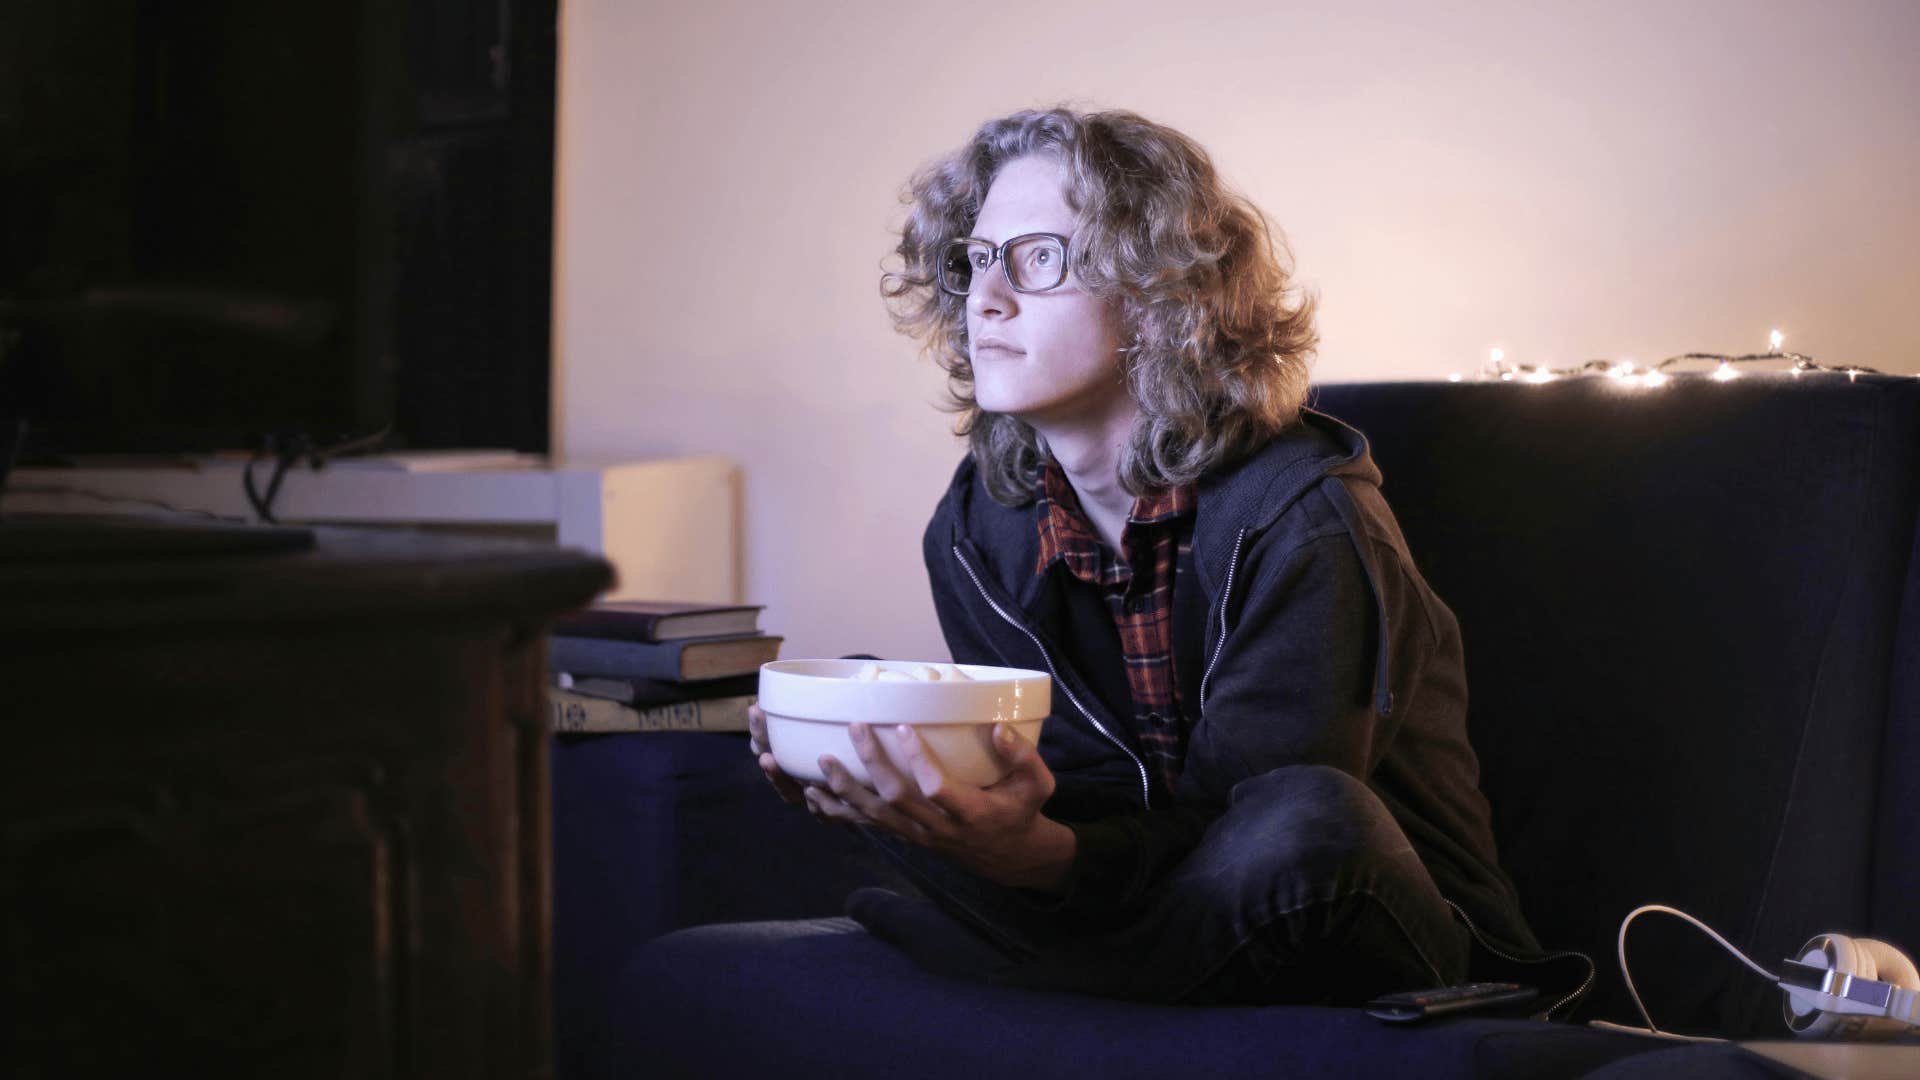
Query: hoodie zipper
(1220, 642)
(1146, 797)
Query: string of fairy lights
(1726, 367)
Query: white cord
(1605, 1025)
(1624, 974)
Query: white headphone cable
(1621, 947)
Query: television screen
(194, 227)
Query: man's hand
(996, 832)
(786, 786)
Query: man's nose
(990, 294)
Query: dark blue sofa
(1692, 620)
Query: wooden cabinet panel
(252, 843)
(177, 931)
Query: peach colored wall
(1563, 181)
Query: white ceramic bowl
(809, 704)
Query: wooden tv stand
(280, 813)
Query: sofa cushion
(823, 998)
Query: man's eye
(1042, 257)
(979, 259)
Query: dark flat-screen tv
(212, 213)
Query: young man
(1256, 785)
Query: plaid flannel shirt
(1137, 583)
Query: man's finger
(844, 786)
(898, 791)
(787, 787)
(928, 774)
(827, 807)
(1022, 758)
(831, 807)
(874, 757)
(1015, 751)
(868, 803)
(757, 730)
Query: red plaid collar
(1066, 533)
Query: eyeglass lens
(1033, 263)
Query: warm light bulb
(1774, 338)
(1725, 372)
(1455, 377)
(1655, 378)
(1621, 370)
(1540, 375)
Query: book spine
(615, 623)
(609, 626)
(594, 656)
(643, 692)
(575, 713)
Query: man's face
(1050, 358)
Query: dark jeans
(1304, 891)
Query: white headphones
(1850, 988)
(1840, 987)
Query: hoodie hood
(1246, 497)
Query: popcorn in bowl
(953, 707)
(916, 673)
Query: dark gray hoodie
(1305, 635)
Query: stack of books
(654, 665)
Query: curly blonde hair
(1221, 340)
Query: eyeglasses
(1032, 263)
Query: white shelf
(670, 528)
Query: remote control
(1416, 1005)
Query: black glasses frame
(994, 256)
